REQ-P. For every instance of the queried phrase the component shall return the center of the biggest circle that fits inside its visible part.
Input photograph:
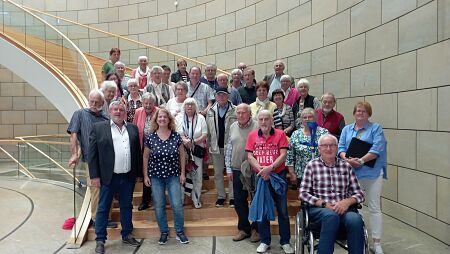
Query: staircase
(206, 221)
(62, 57)
(57, 50)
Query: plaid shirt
(330, 184)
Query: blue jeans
(124, 185)
(280, 202)
(331, 222)
(159, 186)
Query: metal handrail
(27, 172)
(15, 141)
(79, 96)
(90, 71)
(82, 222)
(46, 136)
(121, 37)
(50, 158)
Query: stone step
(208, 197)
(207, 221)
(192, 214)
(204, 227)
(207, 211)
(206, 184)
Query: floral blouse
(132, 106)
(299, 153)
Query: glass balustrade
(96, 43)
(45, 157)
(49, 45)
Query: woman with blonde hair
(164, 168)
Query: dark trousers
(124, 185)
(241, 204)
(146, 194)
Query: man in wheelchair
(330, 187)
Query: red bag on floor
(68, 224)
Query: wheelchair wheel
(304, 239)
(299, 247)
(310, 243)
(366, 242)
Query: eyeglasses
(328, 146)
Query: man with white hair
(266, 150)
(160, 90)
(236, 82)
(79, 129)
(142, 72)
(218, 119)
(242, 66)
(274, 79)
(331, 188)
(328, 118)
(234, 158)
(115, 162)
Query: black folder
(358, 148)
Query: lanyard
(186, 125)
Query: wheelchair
(307, 233)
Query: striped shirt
(331, 184)
(81, 123)
(287, 119)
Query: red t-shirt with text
(267, 149)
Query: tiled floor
(32, 213)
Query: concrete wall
(24, 111)
(394, 54)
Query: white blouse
(185, 127)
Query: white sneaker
(377, 248)
(262, 248)
(287, 248)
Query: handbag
(190, 166)
(199, 151)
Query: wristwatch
(324, 204)
(361, 161)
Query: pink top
(292, 97)
(139, 121)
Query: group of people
(264, 135)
